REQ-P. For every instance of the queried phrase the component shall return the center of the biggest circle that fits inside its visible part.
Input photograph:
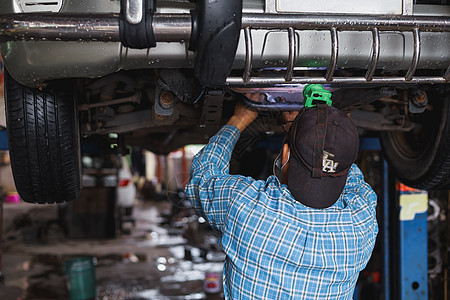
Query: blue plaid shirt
(277, 248)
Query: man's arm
(243, 116)
(363, 199)
(211, 188)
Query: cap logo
(328, 165)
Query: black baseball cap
(323, 144)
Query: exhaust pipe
(177, 27)
(92, 27)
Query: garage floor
(154, 261)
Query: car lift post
(412, 242)
(385, 228)
(402, 221)
(405, 240)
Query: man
(306, 237)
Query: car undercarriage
(163, 74)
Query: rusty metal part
(131, 99)
(158, 116)
(166, 99)
(420, 97)
(164, 104)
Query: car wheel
(421, 158)
(44, 142)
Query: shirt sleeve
(357, 186)
(211, 188)
(363, 201)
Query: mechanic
(306, 236)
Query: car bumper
(87, 46)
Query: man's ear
(286, 153)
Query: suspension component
(164, 104)
(418, 101)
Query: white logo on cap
(328, 165)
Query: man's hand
(287, 117)
(244, 116)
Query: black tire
(44, 142)
(421, 158)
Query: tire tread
(43, 141)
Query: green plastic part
(312, 93)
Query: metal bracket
(212, 108)
(270, 6)
(136, 23)
(408, 7)
(272, 106)
(418, 101)
(335, 24)
(375, 54)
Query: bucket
(80, 273)
(211, 284)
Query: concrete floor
(148, 263)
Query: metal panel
(390, 43)
(408, 7)
(40, 5)
(341, 6)
(270, 6)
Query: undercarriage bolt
(418, 101)
(158, 116)
(164, 106)
(166, 99)
(420, 97)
